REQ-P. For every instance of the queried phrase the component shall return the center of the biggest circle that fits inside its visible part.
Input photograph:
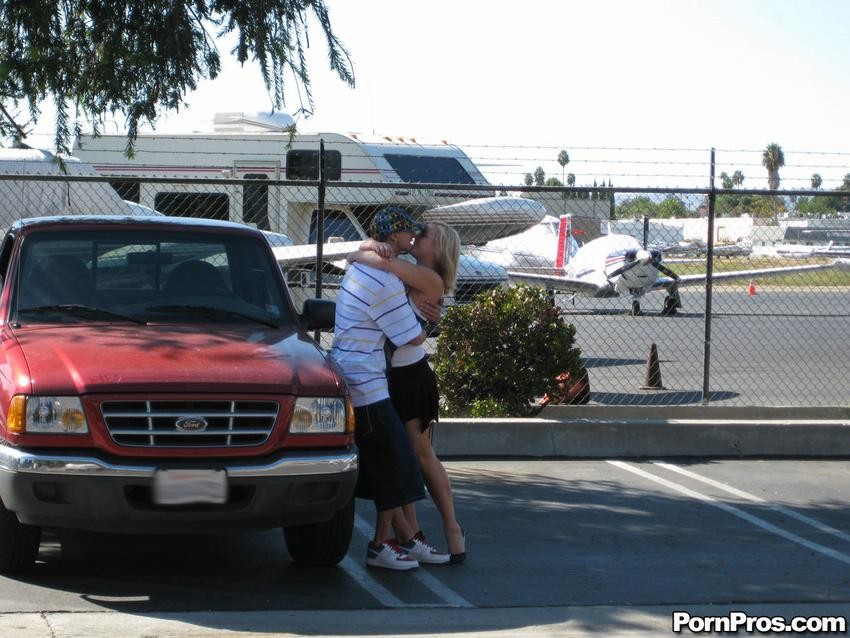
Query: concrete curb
(612, 432)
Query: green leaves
(773, 159)
(671, 206)
(141, 57)
(496, 355)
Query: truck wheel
(18, 543)
(322, 543)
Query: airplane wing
(689, 280)
(601, 288)
(305, 254)
(478, 221)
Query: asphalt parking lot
(556, 547)
(781, 347)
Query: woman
(413, 385)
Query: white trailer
(22, 196)
(244, 150)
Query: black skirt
(413, 391)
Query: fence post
(320, 228)
(320, 223)
(709, 274)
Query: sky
(513, 83)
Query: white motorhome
(23, 194)
(244, 150)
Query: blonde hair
(447, 242)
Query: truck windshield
(142, 276)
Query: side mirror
(318, 314)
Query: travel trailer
(22, 194)
(244, 151)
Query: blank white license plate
(180, 487)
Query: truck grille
(189, 424)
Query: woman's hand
(383, 249)
(427, 308)
(369, 258)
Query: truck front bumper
(88, 491)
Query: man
(372, 307)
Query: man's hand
(418, 340)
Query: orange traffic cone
(751, 289)
(652, 381)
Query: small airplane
(831, 249)
(617, 265)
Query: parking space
(630, 533)
(540, 534)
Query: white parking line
(445, 593)
(823, 527)
(755, 520)
(375, 589)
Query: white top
(408, 354)
(371, 307)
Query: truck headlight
(321, 415)
(47, 415)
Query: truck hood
(106, 358)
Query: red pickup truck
(155, 377)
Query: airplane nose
(644, 256)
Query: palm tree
(725, 180)
(571, 179)
(845, 186)
(817, 180)
(737, 178)
(539, 176)
(563, 160)
(773, 159)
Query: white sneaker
(420, 549)
(390, 556)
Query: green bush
(488, 408)
(503, 350)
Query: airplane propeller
(667, 271)
(632, 259)
(656, 261)
(631, 262)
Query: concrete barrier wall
(577, 432)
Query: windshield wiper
(210, 311)
(80, 310)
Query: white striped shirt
(370, 308)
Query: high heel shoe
(457, 559)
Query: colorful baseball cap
(394, 219)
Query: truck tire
(322, 543)
(18, 543)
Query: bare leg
(384, 525)
(404, 522)
(437, 481)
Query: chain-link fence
(689, 296)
